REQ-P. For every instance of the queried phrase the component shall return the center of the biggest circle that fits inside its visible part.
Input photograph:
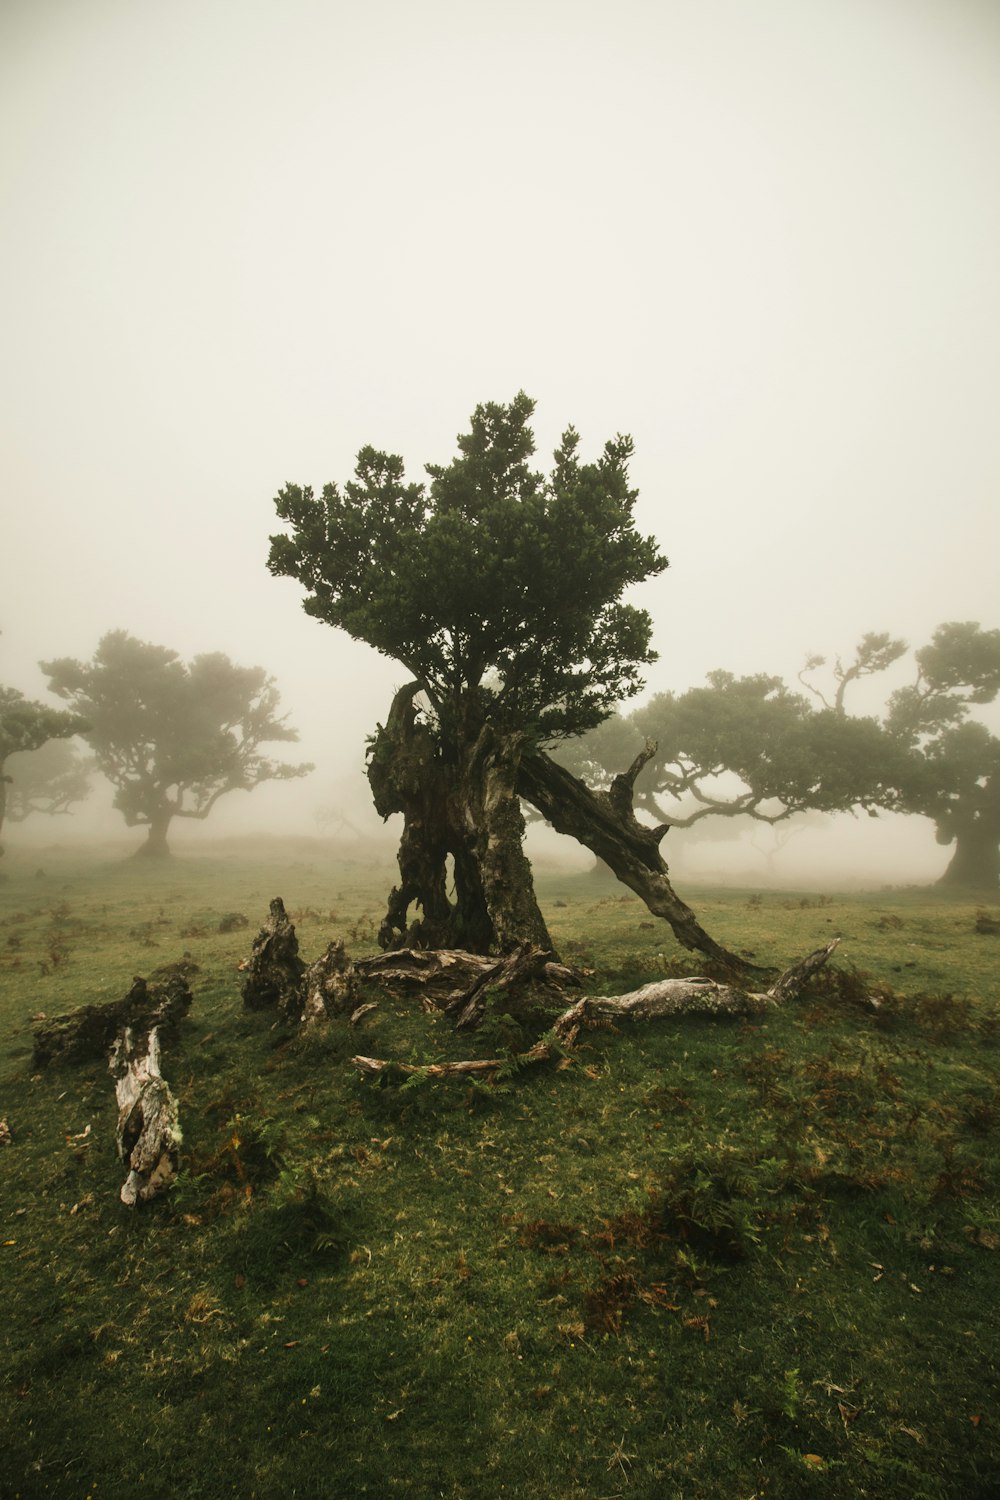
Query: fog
(241, 240)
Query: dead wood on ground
(274, 971)
(148, 1135)
(87, 1033)
(665, 998)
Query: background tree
(743, 747)
(955, 779)
(752, 747)
(172, 737)
(26, 726)
(48, 780)
(500, 589)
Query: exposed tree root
(664, 998)
(447, 979)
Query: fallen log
(526, 966)
(148, 1134)
(86, 1033)
(664, 998)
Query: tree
(171, 737)
(750, 746)
(744, 747)
(500, 590)
(48, 780)
(26, 726)
(955, 778)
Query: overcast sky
(243, 238)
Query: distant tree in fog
(751, 746)
(172, 737)
(25, 726)
(951, 763)
(48, 780)
(742, 747)
(954, 761)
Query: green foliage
(749, 746)
(26, 725)
(499, 588)
(954, 763)
(791, 1394)
(744, 746)
(171, 737)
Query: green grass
(704, 1260)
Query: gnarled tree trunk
(975, 864)
(274, 972)
(156, 846)
(464, 805)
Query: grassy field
(701, 1259)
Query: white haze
(242, 239)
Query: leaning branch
(606, 824)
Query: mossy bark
(460, 796)
(460, 800)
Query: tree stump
(148, 1133)
(328, 986)
(275, 970)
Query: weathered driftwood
(665, 998)
(274, 971)
(148, 1133)
(439, 974)
(447, 979)
(328, 986)
(527, 966)
(87, 1033)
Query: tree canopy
(26, 726)
(954, 760)
(743, 746)
(48, 780)
(751, 746)
(173, 737)
(497, 587)
(502, 591)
